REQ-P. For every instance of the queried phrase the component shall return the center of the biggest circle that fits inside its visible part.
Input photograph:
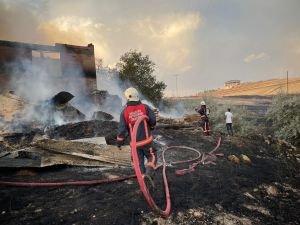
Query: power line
(287, 82)
(176, 76)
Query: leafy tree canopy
(138, 70)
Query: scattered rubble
(245, 159)
(230, 219)
(272, 190)
(102, 116)
(104, 100)
(234, 159)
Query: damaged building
(45, 78)
(62, 63)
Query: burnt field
(263, 191)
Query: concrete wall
(72, 57)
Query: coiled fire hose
(202, 158)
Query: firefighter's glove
(119, 144)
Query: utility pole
(287, 82)
(176, 77)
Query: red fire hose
(139, 176)
(50, 184)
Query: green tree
(138, 70)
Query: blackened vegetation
(86, 129)
(263, 192)
(70, 131)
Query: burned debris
(105, 101)
(102, 116)
(61, 98)
(80, 153)
(58, 108)
(86, 129)
(20, 130)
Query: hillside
(263, 88)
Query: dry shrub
(284, 114)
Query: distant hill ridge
(264, 88)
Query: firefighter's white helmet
(132, 94)
(202, 103)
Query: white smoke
(37, 81)
(34, 81)
(108, 79)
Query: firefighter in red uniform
(133, 110)
(204, 112)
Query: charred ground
(263, 192)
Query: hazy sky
(204, 42)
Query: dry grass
(263, 88)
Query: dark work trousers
(229, 128)
(205, 125)
(147, 152)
